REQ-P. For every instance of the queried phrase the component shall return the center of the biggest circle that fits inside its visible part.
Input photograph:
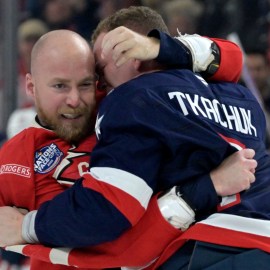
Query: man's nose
(73, 98)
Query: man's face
(64, 92)
(111, 76)
(258, 68)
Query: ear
(29, 85)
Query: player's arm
(215, 59)
(16, 174)
(202, 196)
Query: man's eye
(86, 84)
(59, 86)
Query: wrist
(28, 228)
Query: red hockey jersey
(36, 165)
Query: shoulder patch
(47, 158)
(15, 169)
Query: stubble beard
(72, 132)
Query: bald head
(58, 43)
(62, 83)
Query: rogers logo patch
(15, 169)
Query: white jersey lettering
(228, 116)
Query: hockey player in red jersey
(62, 159)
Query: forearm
(201, 195)
(172, 52)
(71, 220)
(215, 59)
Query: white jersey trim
(129, 183)
(238, 223)
(16, 248)
(59, 255)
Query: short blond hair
(137, 18)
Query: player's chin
(71, 132)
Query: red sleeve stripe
(231, 61)
(130, 206)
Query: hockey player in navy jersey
(195, 123)
(123, 194)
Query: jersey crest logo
(72, 167)
(47, 158)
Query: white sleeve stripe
(16, 248)
(238, 223)
(129, 183)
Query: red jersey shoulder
(16, 155)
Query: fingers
(251, 180)
(250, 163)
(21, 210)
(251, 177)
(113, 38)
(120, 47)
(123, 44)
(122, 52)
(248, 153)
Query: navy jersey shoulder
(195, 125)
(174, 110)
(228, 108)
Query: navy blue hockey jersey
(156, 131)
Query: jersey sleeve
(231, 61)
(16, 174)
(136, 247)
(139, 246)
(206, 203)
(175, 54)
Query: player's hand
(235, 173)
(125, 44)
(10, 226)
